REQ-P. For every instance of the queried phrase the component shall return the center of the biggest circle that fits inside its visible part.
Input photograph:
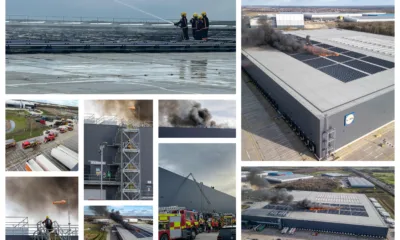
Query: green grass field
(387, 178)
(22, 129)
(93, 232)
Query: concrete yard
(266, 137)
(16, 157)
(207, 236)
(151, 73)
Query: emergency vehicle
(177, 222)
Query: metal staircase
(128, 157)
(58, 233)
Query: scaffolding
(127, 140)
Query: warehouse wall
(95, 134)
(336, 227)
(369, 116)
(189, 195)
(287, 104)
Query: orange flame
(318, 51)
(60, 202)
(323, 208)
(132, 108)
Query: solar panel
(338, 50)
(343, 73)
(323, 45)
(365, 67)
(339, 58)
(304, 56)
(379, 62)
(319, 62)
(353, 54)
(345, 213)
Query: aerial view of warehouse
(197, 188)
(41, 135)
(118, 222)
(118, 158)
(41, 208)
(353, 203)
(197, 119)
(334, 97)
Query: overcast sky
(127, 210)
(74, 103)
(169, 9)
(212, 164)
(318, 2)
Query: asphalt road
(147, 73)
(206, 236)
(16, 157)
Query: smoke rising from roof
(265, 34)
(185, 113)
(99, 210)
(256, 180)
(33, 197)
(141, 110)
(271, 195)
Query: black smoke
(99, 210)
(255, 179)
(271, 195)
(184, 113)
(264, 34)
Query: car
(227, 233)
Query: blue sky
(212, 164)
(170, 9)
(127, 210)
(318, 2)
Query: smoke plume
(183, 113)
(256, 180)
(99, 210)
(271, 195)
(265, 34)
(141, 110)
(33, 197)
(305, 203)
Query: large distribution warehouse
(331, 101)
(341, 213)
(174, 190)
(128, 161)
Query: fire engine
(177, 222)
(30, 144)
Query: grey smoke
(99, 210)
(256, 180)
(265, 34)
(271, 195)
(184, 113)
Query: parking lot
(17, 156)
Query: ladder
(171, 208)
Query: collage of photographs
(207, 120)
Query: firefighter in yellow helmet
(183, 24)
(200, 28)
(194, 21)
(48, 224)
(206, 25)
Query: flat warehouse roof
(364, 69)
(347, 201)
(360, 182)
(286, 178)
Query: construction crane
(198, 185)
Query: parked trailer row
(32, 166)
(65, 157)
(40, 163)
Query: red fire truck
(177, 222)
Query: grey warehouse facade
(117, 167)
(329, 102)
(351, 214)
(175, 191)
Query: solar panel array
(346, 67)
(326, 208)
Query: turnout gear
(200, 28)
(48, 224)
(194, 22)
(183, 23)
(206, 25)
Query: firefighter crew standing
(206, 25)
(200, 28)
(194, 22)
(183, 23)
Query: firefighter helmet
(200, 17)
(47, 217)
(195, 15)
(183, 14)
(203, 13)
